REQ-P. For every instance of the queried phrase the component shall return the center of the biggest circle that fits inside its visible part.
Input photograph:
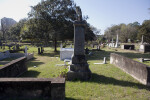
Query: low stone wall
(4, 55)
(139, 71)
(7, 54)
(16, 55)
(32, 88)
(129, 47)
(14, 68)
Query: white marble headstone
(26, 51)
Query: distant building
(7, 22)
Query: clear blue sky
(102, 13)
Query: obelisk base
(81, 72)
(84, 76)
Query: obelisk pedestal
(79, 68)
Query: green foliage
(15, 31)
(124, 31)
(145, 31)
(51, 20)
(100, 39)
(107, 82)
(63, 73)
(90, 33)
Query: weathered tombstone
(39, 51)
(43, 49)
(144, 47)
(17, 47)
(113, 44)
(9, 46)
(61, 46)
(93, 45)
(129, 40)
(141, 59)
(13, 48)
(66, 53)
(26, 51)
(71, 46)
(79, 68)
(104, 62)
(98, 47)
(86, 51)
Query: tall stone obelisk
(116, 45)
(79, 68)
(142, 39)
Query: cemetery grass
(107, 82)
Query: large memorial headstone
(79, 68)
(66, 53)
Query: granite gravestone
(79, 68)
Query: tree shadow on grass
(100, 79)
(99, 55)
(53, 54)
(33, 63)
(109, 80)
(30, 73)
(68, 98)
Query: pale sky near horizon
(102, 13)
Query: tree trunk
(55, 45)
